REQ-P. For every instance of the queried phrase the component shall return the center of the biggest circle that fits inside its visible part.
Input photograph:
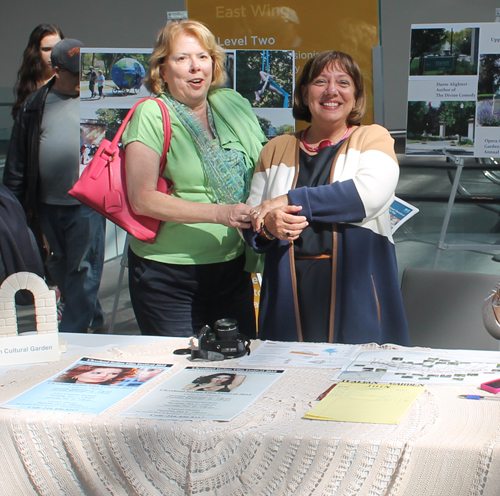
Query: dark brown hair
(30, 72)
(313, 69)
(205, 379)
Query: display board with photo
(294, 25)
(454, 90)
(266, 79)
(112, 82)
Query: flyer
(289, 354)
(204, 393)
(454, 90)
(90, 385)
(410, 367)
(401, 211)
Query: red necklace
(323, 143)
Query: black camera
(225, 341)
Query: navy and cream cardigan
(366, 298)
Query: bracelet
(266, 232)
(496, 298)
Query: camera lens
(226, 329)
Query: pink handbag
(103, 186)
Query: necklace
(323, 143)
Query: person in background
(18, 248)
(42, 165)
(100, 84)
(35, 71)
(36, 67)
(194, 273)
(321, 215)
(92, 75)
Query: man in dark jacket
(41, 167)
(92, 74)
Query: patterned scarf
(226, 172)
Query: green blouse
(238, 128)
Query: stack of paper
(372, 403)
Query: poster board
(294, 25)
(102, 111)
(454, 90)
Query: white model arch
(45, 304)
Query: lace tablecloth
(442, 446)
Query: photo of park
(274, 121)
(117, 76)
(437, 125)
(444, 51)
(488, 91)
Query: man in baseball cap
(42, 165)
(66, 55)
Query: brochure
(401, 211)
(408, 366)
(90, 385)
(199, 393)
(289, 354)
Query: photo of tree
(437, 125)
(275, 122)
(265, 77)
(488, 91)
(444, 52)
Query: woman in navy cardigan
(321, 214)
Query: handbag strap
(167, 131)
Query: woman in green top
(194, 273)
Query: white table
(443, 445)
(85, 344)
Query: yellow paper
(372, 403)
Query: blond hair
(163, 46)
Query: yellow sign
(305, 27)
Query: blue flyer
(90, 385)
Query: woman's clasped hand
(281, 220)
